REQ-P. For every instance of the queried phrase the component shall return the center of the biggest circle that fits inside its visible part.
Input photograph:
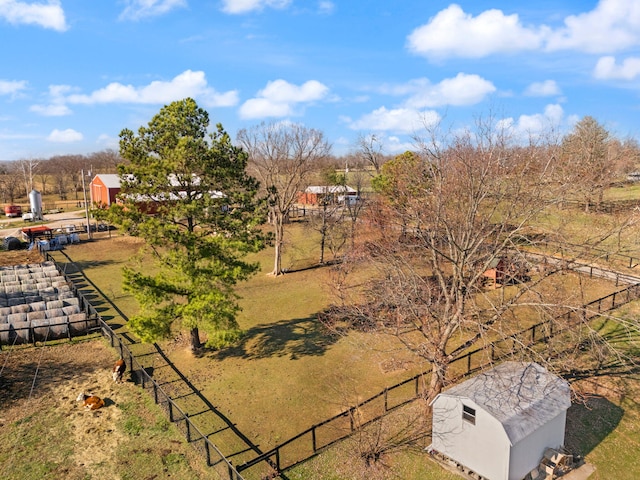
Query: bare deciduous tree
(370, 151)
(28, 167)
(448, 214)
(282, 156)
(588, 159)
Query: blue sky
(74, 73)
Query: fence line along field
(45, 433)
(285, 375)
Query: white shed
(499, 423)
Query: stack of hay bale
(38, 304)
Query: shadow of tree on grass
(294, 338)
(589, 423)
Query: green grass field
(287, 373)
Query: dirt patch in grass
(46, 433)
(56, 375)
(19, 257)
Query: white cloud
(393, 144)
(56, 106)
(463, 89)
(137, 9)
(107, 141)
(245, 6)
(11, 87)
(187, 84)
(543, 89)
(399, 120)
(51, 110)
(611, 26)
(452, 32)
(47, 15)
(280, 98)
(534, 125)
(326, 7)
(607, 68)
(64, 136)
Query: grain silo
(35, 200)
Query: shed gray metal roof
(110, 180)
(521, 396)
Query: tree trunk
(279, 231)
(436, 384)
(195, 339)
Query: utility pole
(86, 206)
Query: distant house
(316, 195)
(104, 188)
(499, 423)
(496, 272)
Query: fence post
(386, 403)
(208, 452)
(533, 334)
(468, 362)
(313, 438)
(351, 413)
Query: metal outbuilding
(499, 423)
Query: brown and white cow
(118, 370)
(90, 402)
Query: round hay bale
(17, 317)
(36, 315)
(54, 304)
(37, 306)
(15, 300)
(12, 243)
(19, 332)
(71, 301)
(71, 309)
(54, 312)
(59, 329)
(78, 322)
(22, 308)
(41, 330)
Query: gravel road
(10, 228)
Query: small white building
(499, 423)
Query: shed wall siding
(526, 454)
(483, 447)
(101, 194)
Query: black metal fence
(321, 435)
(214, 458)
(176, 415)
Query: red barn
(104, 188)
(316, 195)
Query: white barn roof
(110, 180)
(521, 396)
(319, 189)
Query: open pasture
(287, 373)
